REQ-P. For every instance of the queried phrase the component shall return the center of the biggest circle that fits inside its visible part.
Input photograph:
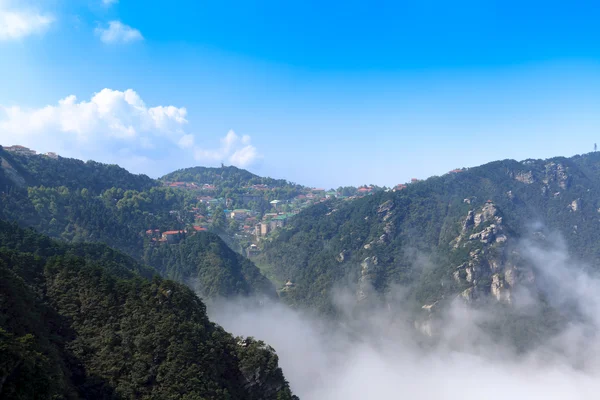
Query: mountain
(447, 236)
(91, 202)
(236, 187)
(42, 170)
(225, 176)
(207, 264)
(84, 321)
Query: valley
(401, 259)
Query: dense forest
(85, 321)
(207, 264)
(119, 217)
(450, 235)
(70, 173)
(224, 177)
(242, 188)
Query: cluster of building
(171, 237)
(189, 185)
(25, 151)
(271, 222)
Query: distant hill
(91, 202)
(84, 321)
(41, 170)
(447, 236)
(228, 176)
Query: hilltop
(92, 202)
(447, 236)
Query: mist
(380, 353)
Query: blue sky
(343, 93)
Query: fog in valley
(379, 353)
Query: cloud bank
(118, 127)
(118, 32)
(17, 23)
(378, 354)
(234, 149)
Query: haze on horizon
(323, 95)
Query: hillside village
(244, 206)
(244, 214)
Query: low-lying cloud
(379, 354)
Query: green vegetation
(120, 216)
(71, 173)
(84, 321)
(207, 264)
(407, 236)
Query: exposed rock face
(510, 276)
(468, 294)
(575, 205)
(385, 207)
(488, 212)
(429, 307)
(488, 235)
(525, 177)
(498, 290)
(342, 256)
(258, 380)
(557, 173)
(368, 272)
(469, 221)
(385, 212)
(389, 228)
(490, 269)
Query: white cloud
(118, 127)
(110, 121)
(376, 352)
(18, 23)
(109, 2)
(234, 150)
(118, 32)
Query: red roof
(199, 228)
(172, 232)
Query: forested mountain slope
(83, 321)
(226, 176)
(448, 235)
(92, 202)
(71, 173)
(208, 265)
